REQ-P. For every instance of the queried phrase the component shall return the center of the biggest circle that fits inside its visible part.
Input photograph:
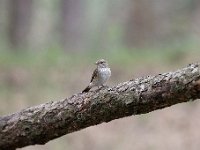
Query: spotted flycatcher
(100, 75)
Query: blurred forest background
(48, 49)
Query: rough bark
(40, 124)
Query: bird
(100, 75)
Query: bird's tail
(86, 89)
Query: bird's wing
(94, 75)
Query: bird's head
(101, 63)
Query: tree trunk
(40, 124)
(20, 21)
(140, 23)
(72, 13)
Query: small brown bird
(100, 75)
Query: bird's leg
(105, 86)
(99, 87)
(102, 86)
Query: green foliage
(30, 77)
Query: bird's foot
(102, 87)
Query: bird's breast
(104, 74)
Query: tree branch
(40, 124)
